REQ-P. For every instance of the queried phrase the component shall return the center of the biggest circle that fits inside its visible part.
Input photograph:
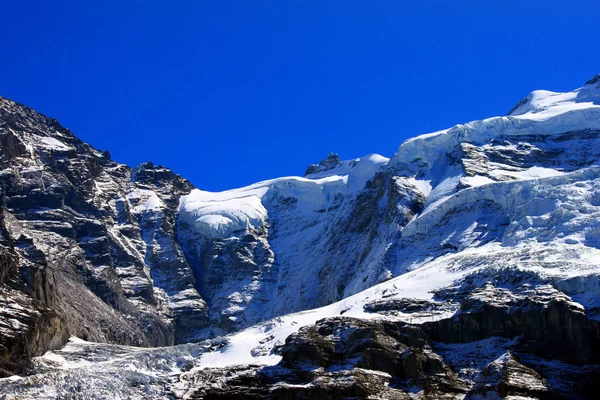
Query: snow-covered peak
(218, 215)
(543, 117)
(543, 104)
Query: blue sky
(227, 93)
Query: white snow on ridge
(544, 104)
(220, 214)
(545, 237)
(216, 215)
(544, 113)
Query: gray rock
(330, 162)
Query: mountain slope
(344, 228)
(88, 244)
(466, 265)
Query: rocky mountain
(465, 266)
(88, 246)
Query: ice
(544, 114)
(419, 284)
(221, 214)
(217, 216)
(476, 180)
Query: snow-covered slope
(294, 243)
(483, 237)
(263, 250)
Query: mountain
(88, 245)
(465, 266)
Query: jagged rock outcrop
(546, 321)
(341, 358)
(89, 247)
(498, 345)
(328, 163)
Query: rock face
(88, 246)
(466, 266)
(499, 344)
(291, 244)
(342, 358)
(330, 162)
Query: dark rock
(340, 358)
(507, 377)
(594, 80)
(547, 322)
(80, 252)
(330, 162)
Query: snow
(144, 200)
(545, 114)
(476, 180)
(544, 104)
(54, 144)
(364, 169)
(153, 202)
(299, 234)
(218, 215)
(416, 285)
(530, 173)
(423, 185)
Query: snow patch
(54, 144)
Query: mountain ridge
(480, 235)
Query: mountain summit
(465, 265)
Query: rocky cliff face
(88, 245)
(466, 266)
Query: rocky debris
(328, 163)
(505, 377)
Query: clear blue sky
(227, 93)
